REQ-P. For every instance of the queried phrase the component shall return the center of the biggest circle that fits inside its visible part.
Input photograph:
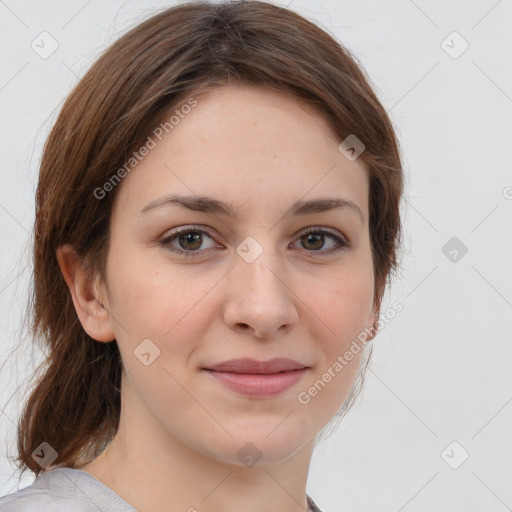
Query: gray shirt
(71, 490)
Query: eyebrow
(210, 205)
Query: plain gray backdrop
(431, 430)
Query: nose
(260, 298)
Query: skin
(180, 430)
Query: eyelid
(326, 230)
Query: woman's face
(253, 285)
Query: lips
(258, 378)
(262, 367)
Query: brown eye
(187, 242)
(191, 241)
(312, 241)
(315, 239)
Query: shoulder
(54, 490)
(62, 490)
(30, 500)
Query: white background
(441, 369)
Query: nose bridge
(260, 297)
(258, 265)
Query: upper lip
(281, 364)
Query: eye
(188, 241)
(314, 239)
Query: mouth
(258, 378)
(281, 364)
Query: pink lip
(251, 377)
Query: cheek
(343, 303)
(343, 306)
(340, 308)
(151, 299)
(172, 310)
(163, 306)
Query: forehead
(246, 145)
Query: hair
(75, 404)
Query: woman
(217, 216)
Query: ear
(372, 322)
(91, 307)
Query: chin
(257, 446)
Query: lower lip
(257, 384)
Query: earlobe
(89, 305)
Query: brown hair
(75, 405)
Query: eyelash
(340, 242)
